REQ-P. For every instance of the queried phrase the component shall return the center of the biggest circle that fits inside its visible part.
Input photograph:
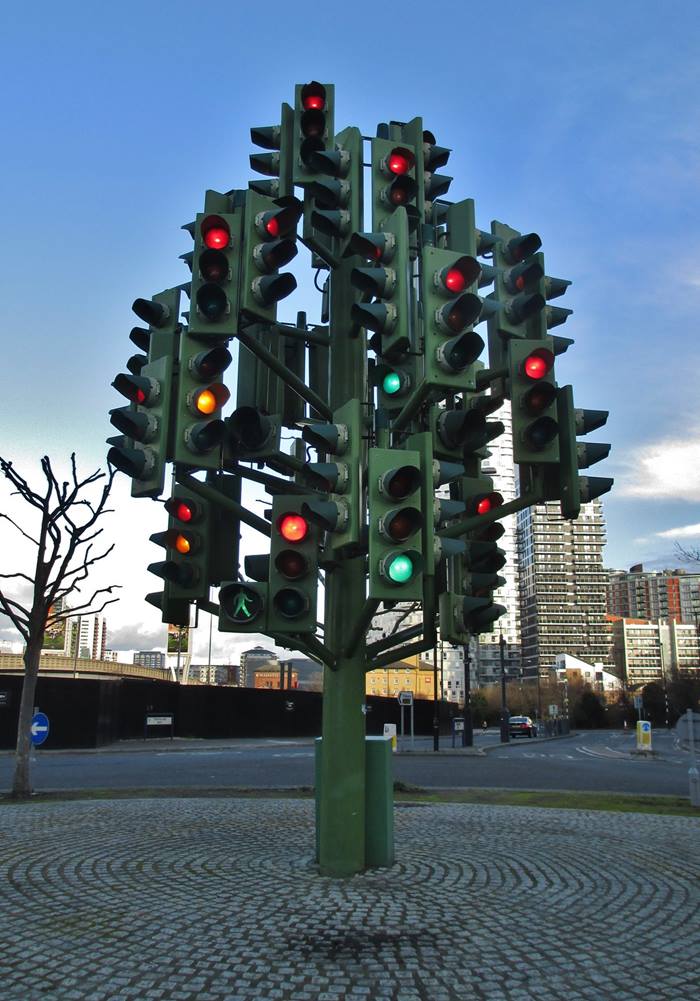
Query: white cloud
(682, 532)
(667, 469)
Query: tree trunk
(22, 784)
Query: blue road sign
(40, 728)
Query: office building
(562, 587)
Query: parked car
(521, 726)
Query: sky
(580, 122)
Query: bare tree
(691, 555)
(65, 555)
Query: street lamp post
(505, 733)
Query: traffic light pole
(342, 780)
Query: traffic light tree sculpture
(387, 400)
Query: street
(598, 760)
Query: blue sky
(580, 122)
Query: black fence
(92, 713)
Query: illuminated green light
(391, 383)
(400, 569)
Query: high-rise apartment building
(671, 595)
(562, 587)
(501, 469)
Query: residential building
(562, 587)
(568, 669)
(647, 651)
(672, 595)
(409, 675)
(501, 469)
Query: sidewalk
(219, 900)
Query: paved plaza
(218, 900)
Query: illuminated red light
(140, 396)
(272, 226)
(314, 102)
(520, 283)
(293, 527)
(536, 366)
(398, 162)
(183, 512)
(484, 505)
(215, 232)
(455, 280)
(217, 238)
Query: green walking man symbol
(240, 607)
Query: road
(596, 760)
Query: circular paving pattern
(218, 900)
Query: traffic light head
(313, 127)
(293, 584)
(146, 423)
(450, 308)
(269, 243)
(533, 395)
(187, 542)
(395, 529)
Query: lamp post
(505, 732)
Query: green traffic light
(400, 569)
(391, 383)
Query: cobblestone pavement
(218, 900)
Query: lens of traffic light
(213, 266)
(400, 160)
(137, 388)
(402, 190)
(457, 315)
(182, 544)
(541, 432)
(457, 276)
(212, 302)
(488, 502)
(523, 275)
(400, 525)
(215, 232)
(292, 527)
(208, 364)
(400, 569)
(539, 398)
(520, 247)
(271, 256)
(183, 511)
(292, 564)
(538, 364)
(399, 483)
(291, 603)
(313, 96)
(208, 400)
(391, 383)
(313, 124)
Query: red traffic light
(313, 96)
(457, 276)
(186, 511)
(487, 503)
(292, 527)
(400, 161)
(215, 232)
(538, 364)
